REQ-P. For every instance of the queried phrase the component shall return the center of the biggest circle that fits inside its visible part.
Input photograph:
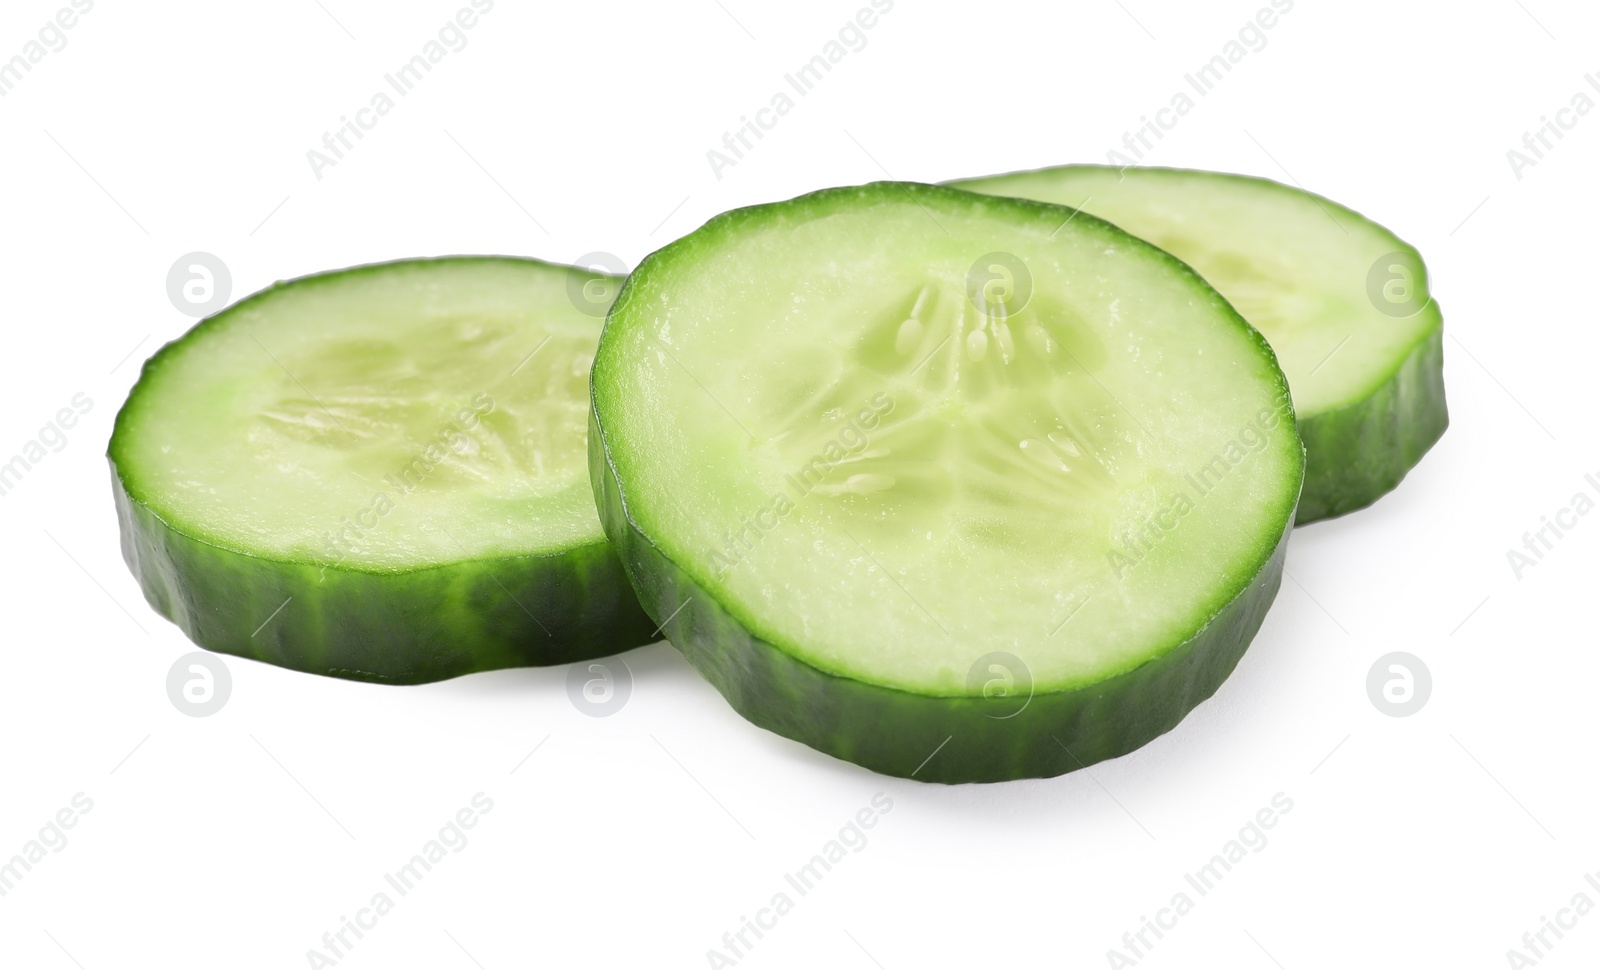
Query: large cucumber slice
(1343, 301)
(957, 488)
(378, 474)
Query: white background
(637, 840)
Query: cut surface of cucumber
(1343, 301)
(884, 459)
(378, 473)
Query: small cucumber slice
(953, 487)
(1343, 301)
(378, 474)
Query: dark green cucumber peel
(904, 733)
(1361, 452)
(393, 628)
(327, 615)
(950, 740)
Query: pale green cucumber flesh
(378, 473)
(855, 468)
(1343, 301)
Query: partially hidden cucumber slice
(953, 487)
(378, 474)
(1343, 301)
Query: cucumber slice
(1343, 301)
(879, 457)
(378, 474)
